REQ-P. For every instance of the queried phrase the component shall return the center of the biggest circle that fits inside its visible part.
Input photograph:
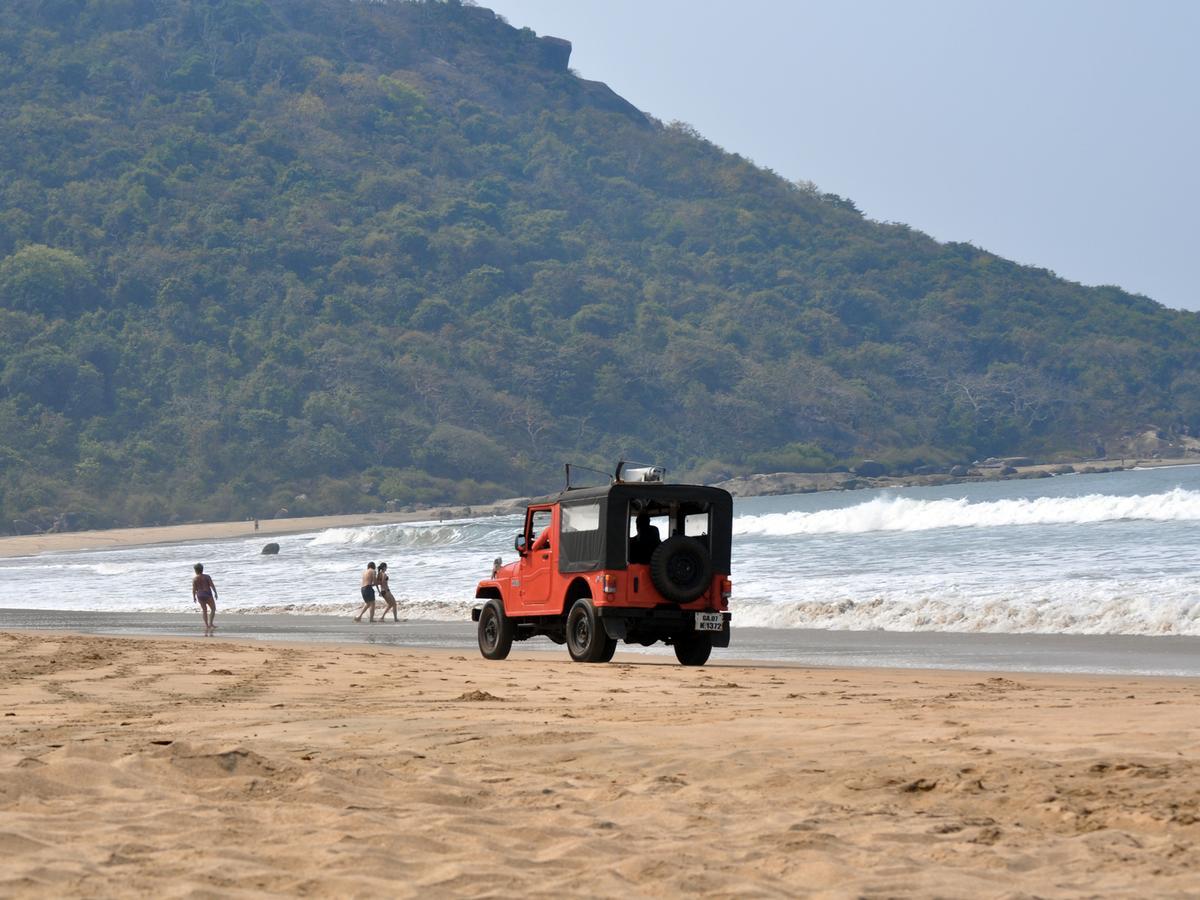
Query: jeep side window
(539, 529)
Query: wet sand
(1112, 654)
(192, 767)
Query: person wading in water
(369, 580)
(386, 593)
(204, 592)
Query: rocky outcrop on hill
(555, 53)
(1155, 443)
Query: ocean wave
(1117, 613)
(415, 536)
(423, 610)
(906, 514)
(420, 610)
(111, 569)
(1113, 612)
(69, 570)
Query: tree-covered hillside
(323, 254)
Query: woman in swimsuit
(386, 593)
(204, 592)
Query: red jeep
(638, 561)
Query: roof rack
(627, 472)
(568, 467)
(639, 472)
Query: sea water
(1111, 554)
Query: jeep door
(536, 565)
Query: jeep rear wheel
(495, 631)
(587, 641)
(681, 568)
(693, 649)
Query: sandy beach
(186, 768)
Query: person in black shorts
(369, 580)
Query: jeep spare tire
(681, 568)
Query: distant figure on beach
(381, 579)
(204, 592)
(256, 524)
(369, 580)
(643, 544)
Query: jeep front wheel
(693, 649)
(495, 631)
(587, 641)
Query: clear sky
(1062, 134)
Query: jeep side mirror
(519, 544)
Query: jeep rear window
(696, 525)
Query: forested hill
(323, 254)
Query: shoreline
(773, 484)
(551, 655)
(201, 766)
(1010, 654)
(148, 535)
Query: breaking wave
(905, 514)
(416, 535)
(1170, 609)
(1175, 610)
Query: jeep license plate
(708, 621)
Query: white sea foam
(1062, 608)
(891, 513)
(423, 610)
(411, 535)
(115, 569)
(1114, 609)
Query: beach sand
(191, 767)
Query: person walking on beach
(369, 580)
(385, 592)
(204, 592)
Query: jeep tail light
(608, 584)
(726, 592)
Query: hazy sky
(1062, 134)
